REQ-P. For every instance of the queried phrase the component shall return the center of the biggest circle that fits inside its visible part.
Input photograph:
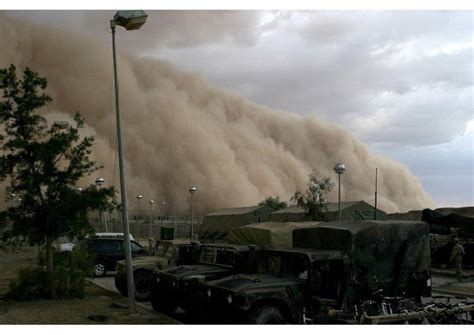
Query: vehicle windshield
(292, 265)
(164, 249)
(218, 256)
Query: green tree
(314, 199)
(273, 202)
(41, 165)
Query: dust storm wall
(180, 131)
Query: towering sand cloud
(180, 131)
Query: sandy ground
(68, 311)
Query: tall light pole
(192, 190)
(339, 168)
(139, 197)
(163, 203)
(99, 182)
(131, 20)
(151, 202)
(375, 208)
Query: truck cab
(165, 253)
(178, 285)
(289, 286)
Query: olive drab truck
(165, 254)
(179, 286)
(329, 275)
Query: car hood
(259, 281)
(194, 270)
(146, 261)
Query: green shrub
(70, 270)
(30, 284)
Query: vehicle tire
(100, 269)
(121, 285)
(162, 302)
(265, 315)
(142, 281)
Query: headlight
(158, 279)
(209, 293)
(229, 298)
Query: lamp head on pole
(163, 203)
(151, 202)
(193, 189)
(139, 196)
(340, 168)
(130, 19)
(99, 181)
(60, 124)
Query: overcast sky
(400, 81)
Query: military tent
(351, 211)
(216, 225)
(267, 234)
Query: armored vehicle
(331, 270)
(166, 253)
(179, 286)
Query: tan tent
(350, 210)
(216, 225)
(268, 234)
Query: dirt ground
(68, 311)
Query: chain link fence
(146, 227)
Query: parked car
(107, 251)
(113, 235)
(65, 245)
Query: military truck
(328, 275)
(179, 286)
(166, 253)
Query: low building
(350, 211)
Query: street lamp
(163, 203)
(339, 168)
(131, 20)
(151, 202)
(139, 197)
(58, 125)
(192, 190)
(99, 182)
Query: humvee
(331, 270)
(179, 286)
(166, 253)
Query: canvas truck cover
(382, 253)
(441, 224)
(268, 234)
